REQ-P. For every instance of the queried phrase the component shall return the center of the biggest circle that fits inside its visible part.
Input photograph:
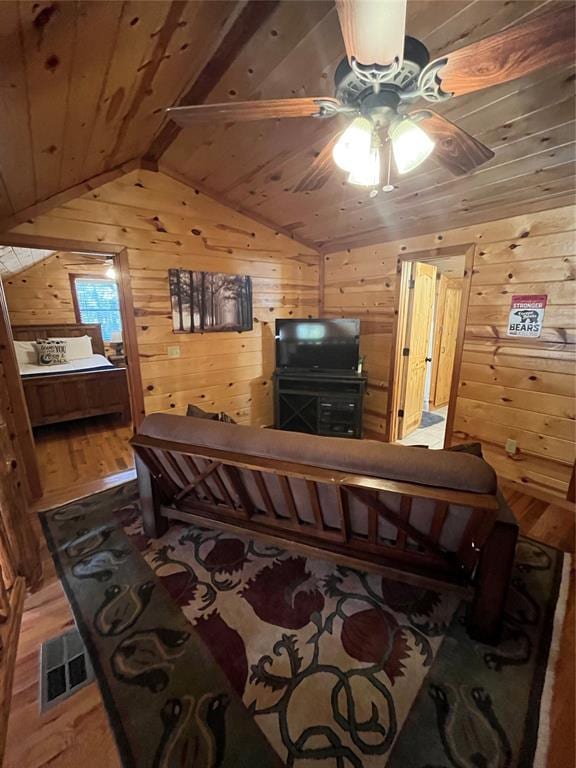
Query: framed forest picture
(210, 301)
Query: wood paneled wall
(164, 223)
(43, 293)
(509, 388)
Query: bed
(90, 386)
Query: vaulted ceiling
(83, 86)
(14, 260)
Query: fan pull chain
(388, 187)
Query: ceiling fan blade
(240, 111)
(455, 149)
(545, 41)
(319, 170)
(373, 30)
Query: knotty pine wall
(43, 292)
(163, 224)
(509, 388)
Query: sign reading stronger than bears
(526, 316)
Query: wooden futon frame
(232, 491)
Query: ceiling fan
(385, 74)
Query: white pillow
(26, 352)
(76, 346)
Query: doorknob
(428, 359)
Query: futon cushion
(51, 352)
(444, 469)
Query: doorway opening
(431, 307)
(67, 320)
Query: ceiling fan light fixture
(353, 147)
(410, 145)
(367, 171)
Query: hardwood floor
(77, 732)
(75, 459)
(555, 525)
(82, 451)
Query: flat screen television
(318, 345)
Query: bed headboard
(33, 332)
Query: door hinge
(405, 352)
(401, 413)
(411, 283)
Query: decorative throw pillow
(198, 413)
(51, 352)
(474, 448)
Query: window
(96, 301)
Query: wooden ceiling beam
(253, 14)
(60, 198)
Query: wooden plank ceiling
(14, 260)
(83, 86)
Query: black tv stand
(319, 403)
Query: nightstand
(118, 360)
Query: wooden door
(445, 337)
(421, 293)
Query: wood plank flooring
(82, 451)
(76, 459)
(77, 731)
(555, 525)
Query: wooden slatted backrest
(423, 523)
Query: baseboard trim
(537, 493)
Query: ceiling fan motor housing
(353, 91)
(381, 107)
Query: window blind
(98, 303)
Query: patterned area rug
(213, 649)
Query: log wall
(43, 292)
(508, 388)
(164, 224)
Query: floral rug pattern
(214, 650)
(334, 663)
